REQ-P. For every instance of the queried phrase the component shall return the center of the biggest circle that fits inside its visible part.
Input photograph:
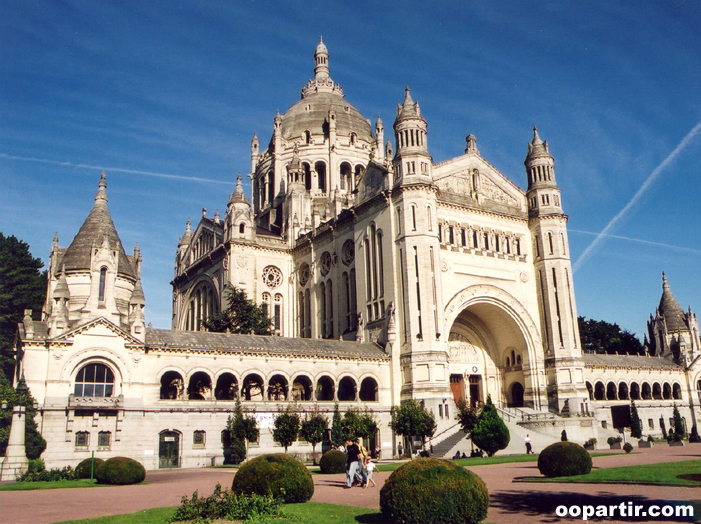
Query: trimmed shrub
(278, 475)
(333, 461)
(694, 435)
(627, 447)
(83, 468)
(614, 440)
(564, 459)
(120, 470)
(436, 491)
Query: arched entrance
(490, 350)
(169, 449)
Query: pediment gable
(100, 327)
(473, 177)
(373, 181)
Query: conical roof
(96, 227)
(669, 308)
(537, 147)
(409, 109)
(238, 196)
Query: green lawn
(28, 486)
(683, 473)
(307, 513)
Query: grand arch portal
(492, 353)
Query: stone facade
(387, 277)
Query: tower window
(103, 279)
(242, 228)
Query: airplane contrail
(640, 241)
(638, 195)
(115, 169)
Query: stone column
(15, 462)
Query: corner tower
(553, 269)
(412, 162)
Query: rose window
(272, 276)
(304, 275)
(326, 263)
(348, 252)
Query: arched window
(277, 314)
(590, 390)
(320, 168)
(94, 380)
(172, 386)
(307, 137)
(227, 387)
(635, 391)
(277, 388)
(611, 391)
(325, 389)
(242, 228)
(656, 391)
(599, 391)
(346, 389)
(666, 391)
(622, 391)
(368, 390)
(200, 386)
(676, 391)
(103, 279)
(301, 389)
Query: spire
(408, 109)
(97, 226)
(61, 290)
(670, 309)
(238, 196)
(321, 61)
(537, 148)
(101, 195)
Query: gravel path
(509, 502)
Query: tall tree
(242, 427)
(286, 426)
(636, 426)
(490, 433)
(22, 286)
(242, 315)
(313, 429)
(412, 419)
(337, 435)
(599, 336)
(678, 432)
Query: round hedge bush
(333, 461)
(279, 474)
(429, 490)
(564, 459)
(82, 470)
(120, 470)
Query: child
(370, 467)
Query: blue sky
(165, 96)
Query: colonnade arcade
(276, 386)
(490, 352)
(634, 390)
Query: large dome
(312, 112)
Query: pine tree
(243, 428)
(490, 433)
(679, 431)
(22, 286)
(662, 426)
(636, 426)
(242, 315)
(337, 437)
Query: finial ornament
(101, 195)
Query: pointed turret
(380, 138)
(239, 196)
(97, 227)
(321, 59)
(670, 310)
(543, 193)
(412, 162)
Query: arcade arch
(491, 350)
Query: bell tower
(553, 269)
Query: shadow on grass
(691, 476)
(543, 505)
(371, 518)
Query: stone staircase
(455, 438)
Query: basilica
(386, 276)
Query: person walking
(353, 464)
(529, 448)
(370, 467)
(400, 450)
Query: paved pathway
(509, 502)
